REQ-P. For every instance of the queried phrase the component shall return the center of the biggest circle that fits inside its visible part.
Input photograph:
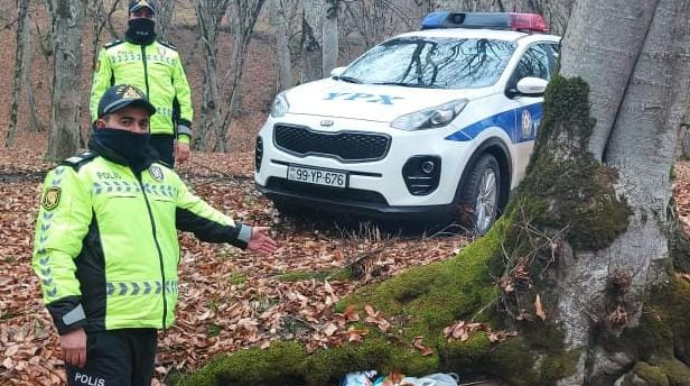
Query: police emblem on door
(156, 172)
(526, 124)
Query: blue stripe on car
(510, 121)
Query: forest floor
(229, 299)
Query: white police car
(422, 124)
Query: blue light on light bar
(491, 20)
(435, 20)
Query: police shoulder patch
(113, 43)
(157, 173)
(51, 198)
(168, 44)
(79, 160)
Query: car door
(539, 60)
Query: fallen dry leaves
(229, 299)
(460, 330)
(424, 350)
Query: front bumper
(359, 203)
(376, 187)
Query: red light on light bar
(528, 22)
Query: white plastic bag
(438, 379)
(361, 378)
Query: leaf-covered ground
(229, 299)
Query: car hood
(338, 99)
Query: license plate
(317, 176)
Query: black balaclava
(123, 147)
(141, 31)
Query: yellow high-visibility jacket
(155, 69)
(106, 248)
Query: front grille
(325, 192)
(346, 146)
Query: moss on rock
(650, 374)
(667, 373)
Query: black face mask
(133, 148)
(141, 31)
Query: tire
(480, 195)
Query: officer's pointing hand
(261, 242)
(73, 345)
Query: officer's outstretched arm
(196, 216)
(62, 224)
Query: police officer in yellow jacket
(155, 67)
(106, 247)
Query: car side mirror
(336, 72)
(531, 86)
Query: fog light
(428, 167)
(422, 174)
(259, 153)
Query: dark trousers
(116, 358)
(164, 144)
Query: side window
(555, 53)
(537, 61)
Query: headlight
(430, 118)
(280, 106)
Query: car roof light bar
(492, 20)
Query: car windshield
(433, 63)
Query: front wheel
(480, 194)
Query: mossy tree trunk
(584, 254)
(634, 56)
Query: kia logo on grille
(327, 123)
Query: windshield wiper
(403, 84)
(348, 79)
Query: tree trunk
(165, 17)
(284, 63)
(98, 21)
(638, 98)
(66, 96)
(209, 16)
(49, 49)
(245, 16)
(20, 66)
(312, 40)
(36, 123)
(330, 37)
(685, 144)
